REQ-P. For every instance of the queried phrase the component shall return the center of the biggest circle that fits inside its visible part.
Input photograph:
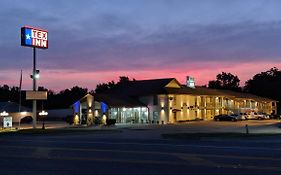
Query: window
(155, 117)
(273, 103)
(155, 100)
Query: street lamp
(36, 74)
(43, 114)
(4, 114)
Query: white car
(266, 116)
(244, 116)
(257, 116)
(252, 116)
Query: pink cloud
(61, 79)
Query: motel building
(165, 101)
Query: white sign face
(7, 122)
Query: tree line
(62, 99)
(265, 84)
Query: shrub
(110, 121)
(69, 119)
(97, 121)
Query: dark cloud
(95, 36)
(245, 42)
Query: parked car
(224, 117)
(260, 116)
(238, 117)
(244, 116)
(251, 116)
(257, 116)
(266, 116)
(275, 116)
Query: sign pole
(34, 110)
(35, 38)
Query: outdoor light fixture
(36, 74)
(4, 114)
(23, 113)
(43, 114)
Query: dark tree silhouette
(65, 98)
(102, 87)
(266, 84)
(225, 81)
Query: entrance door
(175, 116)
(84, 116)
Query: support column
(34, 106)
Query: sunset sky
(94, 41)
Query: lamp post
(43, 114)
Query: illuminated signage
(190, 82)
(7, 122)
(34, 37)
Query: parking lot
(142, 149)
(142, 131)
(155, 131)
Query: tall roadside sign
(35, 38)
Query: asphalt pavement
(132, 151)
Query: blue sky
(93, 41)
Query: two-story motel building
(167, 101)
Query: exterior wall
(157, 108)
(188, 107)
(17, 116)
(129, 115)
(173, 84)
(172, 108)
(84, 110)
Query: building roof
(125, 93)
(11, 107)
(217, 92)
(141, 87)
(118, 101)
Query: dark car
(275, 116)
(224, 117)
